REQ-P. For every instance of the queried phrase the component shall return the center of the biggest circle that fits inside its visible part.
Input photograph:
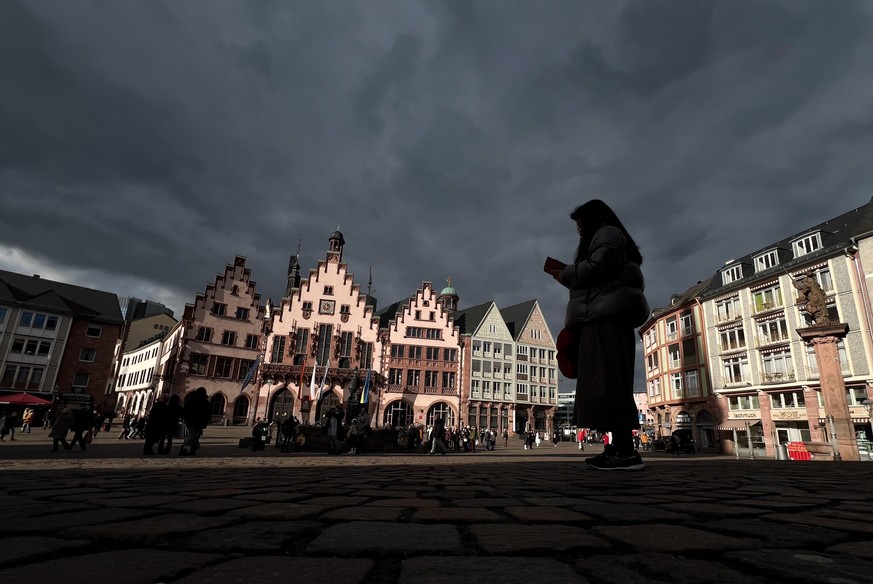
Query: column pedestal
(825, 339)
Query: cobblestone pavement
(112, 515)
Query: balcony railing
(723, 318)
(763, 341)
(778, 377)
(768, 306)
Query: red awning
(24, 399)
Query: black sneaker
(632, 462)
(608, 452)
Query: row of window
(428, 353)
(791, 400)
(682, 384)
(220, 309)
(417, 332)
(228, 338)
(140, 357)
(29, 377)
(776, 365)
(222, 367)
(770, 258)
(134, 378)
(414, 378)
(300, 349)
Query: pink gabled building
(217, 343)
(421, 359)
(324, 324)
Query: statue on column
(354, 401)
(812, 300)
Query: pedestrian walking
(197, 413)
(606, 304)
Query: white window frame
(806, 244)
(692, 383)
(769, 298)
(731, 274)
(735, 369)
(767, 260)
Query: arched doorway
(540, 420)
(398, 414)
(241, 410)
(329, 400)
(441, 410)
(218, 403)
(281, 406)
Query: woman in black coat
(606, 304)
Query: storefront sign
(788, 414)
(744, 415)
(683, 418)
(75, 398)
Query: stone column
(824, 339)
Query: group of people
(462, 439)
(355, 435)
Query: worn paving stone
(655, 568)
(255, 536)
(774, 534)
(861, 549)
(150, 529)
(672, 538)
(207, 506)
(24, 548)
(713, 510)
(367, 537)
(804, 567)
(39, 508)
(333, 501)
(820, 521)
(488, 502)
(513, 538)
(272, 497)
(143, 501)
(555, 501)
(405, 502)
(282, 570)
(364, 513)
(630, 513)
(455, 515)
(439, 570)
(546, 514)
(57, 522)
(135, 566)
(278, 511)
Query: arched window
(218, 404)
(441, 410)
(281, 406)
(241, 410)
(398, 414)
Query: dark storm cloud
(148, 143)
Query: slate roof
(516, 316)
(387, 314)
(40, 294)
(469, 319)
(836, 235)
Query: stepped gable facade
(324, 323)
(56, 337)
(535, 364)
(422, 360)
(220, 341)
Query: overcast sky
(145, 144)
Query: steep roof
(683, 297)
(387, 314)
(38, 293)
(469, 319)
(516, 316)
(835, 233)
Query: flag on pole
(251, 374)
(323, 381)
(365, 395)
(302, 380)
(312, 380)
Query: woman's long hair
(593, 215)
